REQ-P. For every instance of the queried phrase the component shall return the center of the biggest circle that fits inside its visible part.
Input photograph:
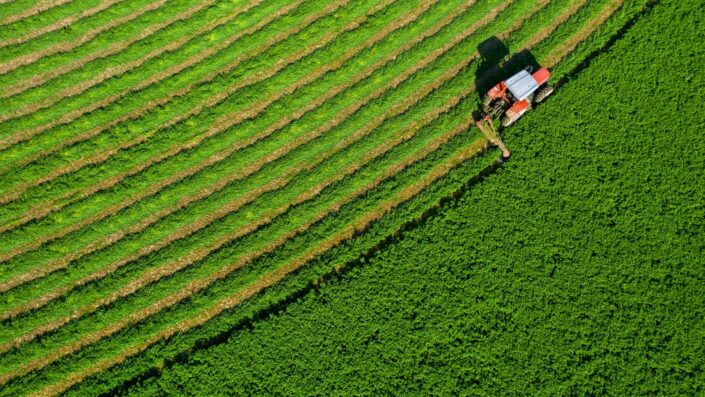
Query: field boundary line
(218, 157)
(197, 285)
(29, 133)
(70, 45)
(39, 7)
(59, 24)
(112, 49)
(119, 70)
(211, 101)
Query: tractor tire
(507, 121)
(543, 93)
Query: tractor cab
(512, 98)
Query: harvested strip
(61, 263)
(200, 284)
(38, 7)
(59, 24)
(24, 135)
(569, 45)
(153, 275)
(197, 285)
(210, 102)
(70, 45)
(122, 68)
(113, 49)
(271, 278)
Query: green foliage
(575, 269)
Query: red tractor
(511, 98)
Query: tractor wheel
(543, 93)
(507, 121)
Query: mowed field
(164, 163)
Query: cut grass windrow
(24, 135)
(211, 101)
(274, 277)
(569, 45)
(229, 121)
(122, 68)
(116, 47)
(70, 45)
(197, 285)
(39, 7)
(59, 24)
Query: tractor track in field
(195, 286)
(218, 157)
(39, 7)
(95, 159)
(123, 68)
(115, 48)
(59, 24)
(68, 46)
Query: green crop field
(290, 197)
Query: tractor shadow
(496, 64)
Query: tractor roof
(522, 85)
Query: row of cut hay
(63, 47)
(60, 24)
(71, 115)
(116, 47)
(82, 85)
